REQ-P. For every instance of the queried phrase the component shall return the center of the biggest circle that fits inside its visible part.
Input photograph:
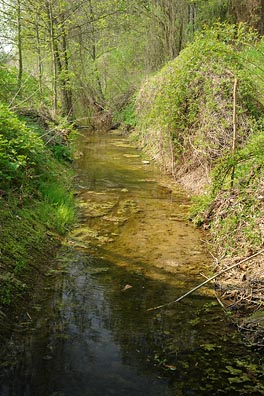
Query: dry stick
(207, 281)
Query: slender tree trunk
(39, 57)
(53, 53)
(180, 41)
(234, 142)
(93, 53)
(19, 45)
(67, 91)
(192, 17)
(261, 25)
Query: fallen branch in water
(207, 281)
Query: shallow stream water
(133, 249)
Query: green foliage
(29, 94)
(20, 149)
(190, 100)
(211, 11)
(127, 115)
(37, 197)
(8, 78)
(10, 286)
(58, 209)
(235, 214)
(244, 223)
(62, 152)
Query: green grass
(38, 198)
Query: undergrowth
(35, 200)
(234, 209)
(185, 111)
(185, 121)
(127, 116)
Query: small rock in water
(170, 367)
(127, 287)
(124, 190)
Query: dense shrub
(20, 149)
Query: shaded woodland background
(88, 57)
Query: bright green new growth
(27, 166)
(34, 197)
(21, 150)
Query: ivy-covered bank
(36, 203)
(201, 118)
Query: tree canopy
(92, 55)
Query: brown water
(132, 249)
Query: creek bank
(36, 208)
(186, 116)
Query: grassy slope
(35, 205)
(185, 121)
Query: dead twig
(207, 281)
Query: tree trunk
(19, 45)
(66, 88)
(251, 11)
(93, 54)
(53, 52)
(39, 57)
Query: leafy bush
(127, 115)
(233, 205)
(29, 94)
(8, 78)
(20, 149)
(26, 161)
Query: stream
(132, 249)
